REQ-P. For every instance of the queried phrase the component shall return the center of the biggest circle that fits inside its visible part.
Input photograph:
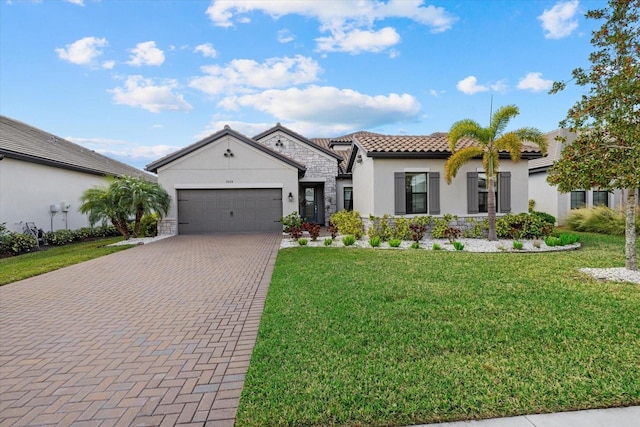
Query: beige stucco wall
(27, 189)
(375, 195)
(208, 168)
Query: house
(42, 177)
(547, 197)
(230, 182)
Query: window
(578, 199)
(600, 198)
(483, 193)
(416, 192)
(348, 198)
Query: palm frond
(466, 128)
(491, 162)
(500, 119)
(458, 159)
(511, 143)
(533, 135)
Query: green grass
(381, 338)
(35, 263)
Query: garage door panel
(229, 210)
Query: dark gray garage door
(233, 210)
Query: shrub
(295, 232)
(517, 245)
(148, 226)
(441, 225)
(536, 244)
(348, 240)
(477, 230)
(333, 230)
(401, 229)
(436, 247)
(19, 243)
(600, 219)
(417, 231)
(452, 233)
(303, 242)
(328, 242)
(548, 218)
(568, 239)
(415, 245)
(61, 237)
(313, 230)
(458, 245)
(522, 226)
(374, 241)
(532, 205)
(291, 220)
(348, 222)
(394, 243)
(552, 241)
(379, 227)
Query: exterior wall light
(290, 196)
(279, 143)
(359, 158)
(228, 153)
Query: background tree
(490, 141)
(124, 198)
(606, 152)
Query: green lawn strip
(370, 337)
(39, 262)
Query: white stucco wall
(208, 168)
(340, 185)
(27, 189)
(375, 195)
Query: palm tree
(490, 142)
(124, 198)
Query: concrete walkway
(160, 334)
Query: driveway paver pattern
(160, 334)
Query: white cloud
(206, 49)
(108, 65)
(534, 82)
(146, 53)
(321, 106)
(145, 94)
(500, 86)
(77, 2)
(470, 86)
(83, 51)
(358, 41)
(285, 36)
(340, 20)
(242, 74)
(559, 21)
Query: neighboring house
(547, 197)
(42, 177)
(230, 182)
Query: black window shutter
(400, 195)
(504, 188)
(472, 192)
(434, 193)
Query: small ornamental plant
(417, 231)
(415, 245)
(536, 243)
(552, 241)
(458, 245)
(303, 242)
(517, 245)
(375, 241)
(452, 233)
(328, 242)
(333, 230)
(436, 247)
(395, 243)
(295, 232)
(348, 240)
(313, 229)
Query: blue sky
(136, 79)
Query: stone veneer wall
(318, 166)
(167, 227)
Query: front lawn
(354, 337)
(39, 262)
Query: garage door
(233, 210)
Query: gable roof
(553, 152)
(344, 140)
(21, 141)
(227, 131)
(279, 128)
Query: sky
(138, 79)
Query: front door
(310, 204)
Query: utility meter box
(54, 208)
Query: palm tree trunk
(491, 207)
(121, 226)
(136, 225)
(630, 254)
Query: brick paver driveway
(159, 334)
